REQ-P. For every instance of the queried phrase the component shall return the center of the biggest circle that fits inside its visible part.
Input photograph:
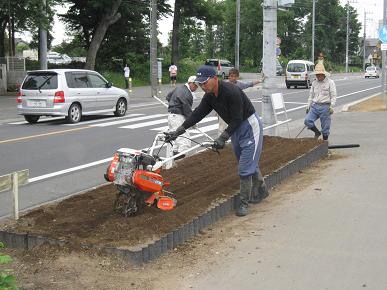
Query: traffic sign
(383, 34)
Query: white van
(299, 73)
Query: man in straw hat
(322, 99)
(180, 102)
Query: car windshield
(296, 67)
(44, 81)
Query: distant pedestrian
(173, 74)
(180, 102)
(322, 99)
(126, 75)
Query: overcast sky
(374, 9)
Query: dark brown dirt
(197, 182)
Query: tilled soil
(197, 182)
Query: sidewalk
(323, 229)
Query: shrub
(7, 280)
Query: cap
(191, 79)
(204, 73)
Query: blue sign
(383, 34)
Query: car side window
(96, 81)
(77, 80)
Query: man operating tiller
(244, 128)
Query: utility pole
(364, 37)
(313, 26)
(364, 40)
(153, 47)
(238, 22)
(347, 40)
(269, 60)
(43, 39)
(384, 60)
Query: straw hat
(319, 69)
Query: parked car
(372, 72)
(279, 70)
(57, 58)
(224, 67)
(299, 73)
(72, 93)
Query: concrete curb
(346, 107)
(146, 252)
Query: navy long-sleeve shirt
(231, 104)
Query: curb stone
(144, 253)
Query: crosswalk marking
(209, 128)
(128, 120)
(144, 124)
(205, 120)
(104, 120)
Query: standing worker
(244, 127)
(126, 76)
(322, 99)
(180, 102)
(173, 74)
(233, 77)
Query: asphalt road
(64, 159)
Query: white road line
(297, 103)
(104, 120)
(209, 128)
(45, 176)
(144, 124)
(44, 120)
(128, 120)
(205, 120)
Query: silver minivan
(72, 93)
(299, 73)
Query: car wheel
(120, 108)
(32, 119)
(74, 114)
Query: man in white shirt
(126, 75)
(322, 99)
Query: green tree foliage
(26, 15)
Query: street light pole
(153, 47)
(347, 40)
(238, 20)
(313, 25)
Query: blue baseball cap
(204, 73)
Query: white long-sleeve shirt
(323, 92)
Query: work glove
(170, 136)
(307, 110)
(221, 140)
(331, 111)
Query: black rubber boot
(245, 188)
(259, 189)
(316, 131)
(325, 137)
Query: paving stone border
(147, 252)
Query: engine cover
(147, 180)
